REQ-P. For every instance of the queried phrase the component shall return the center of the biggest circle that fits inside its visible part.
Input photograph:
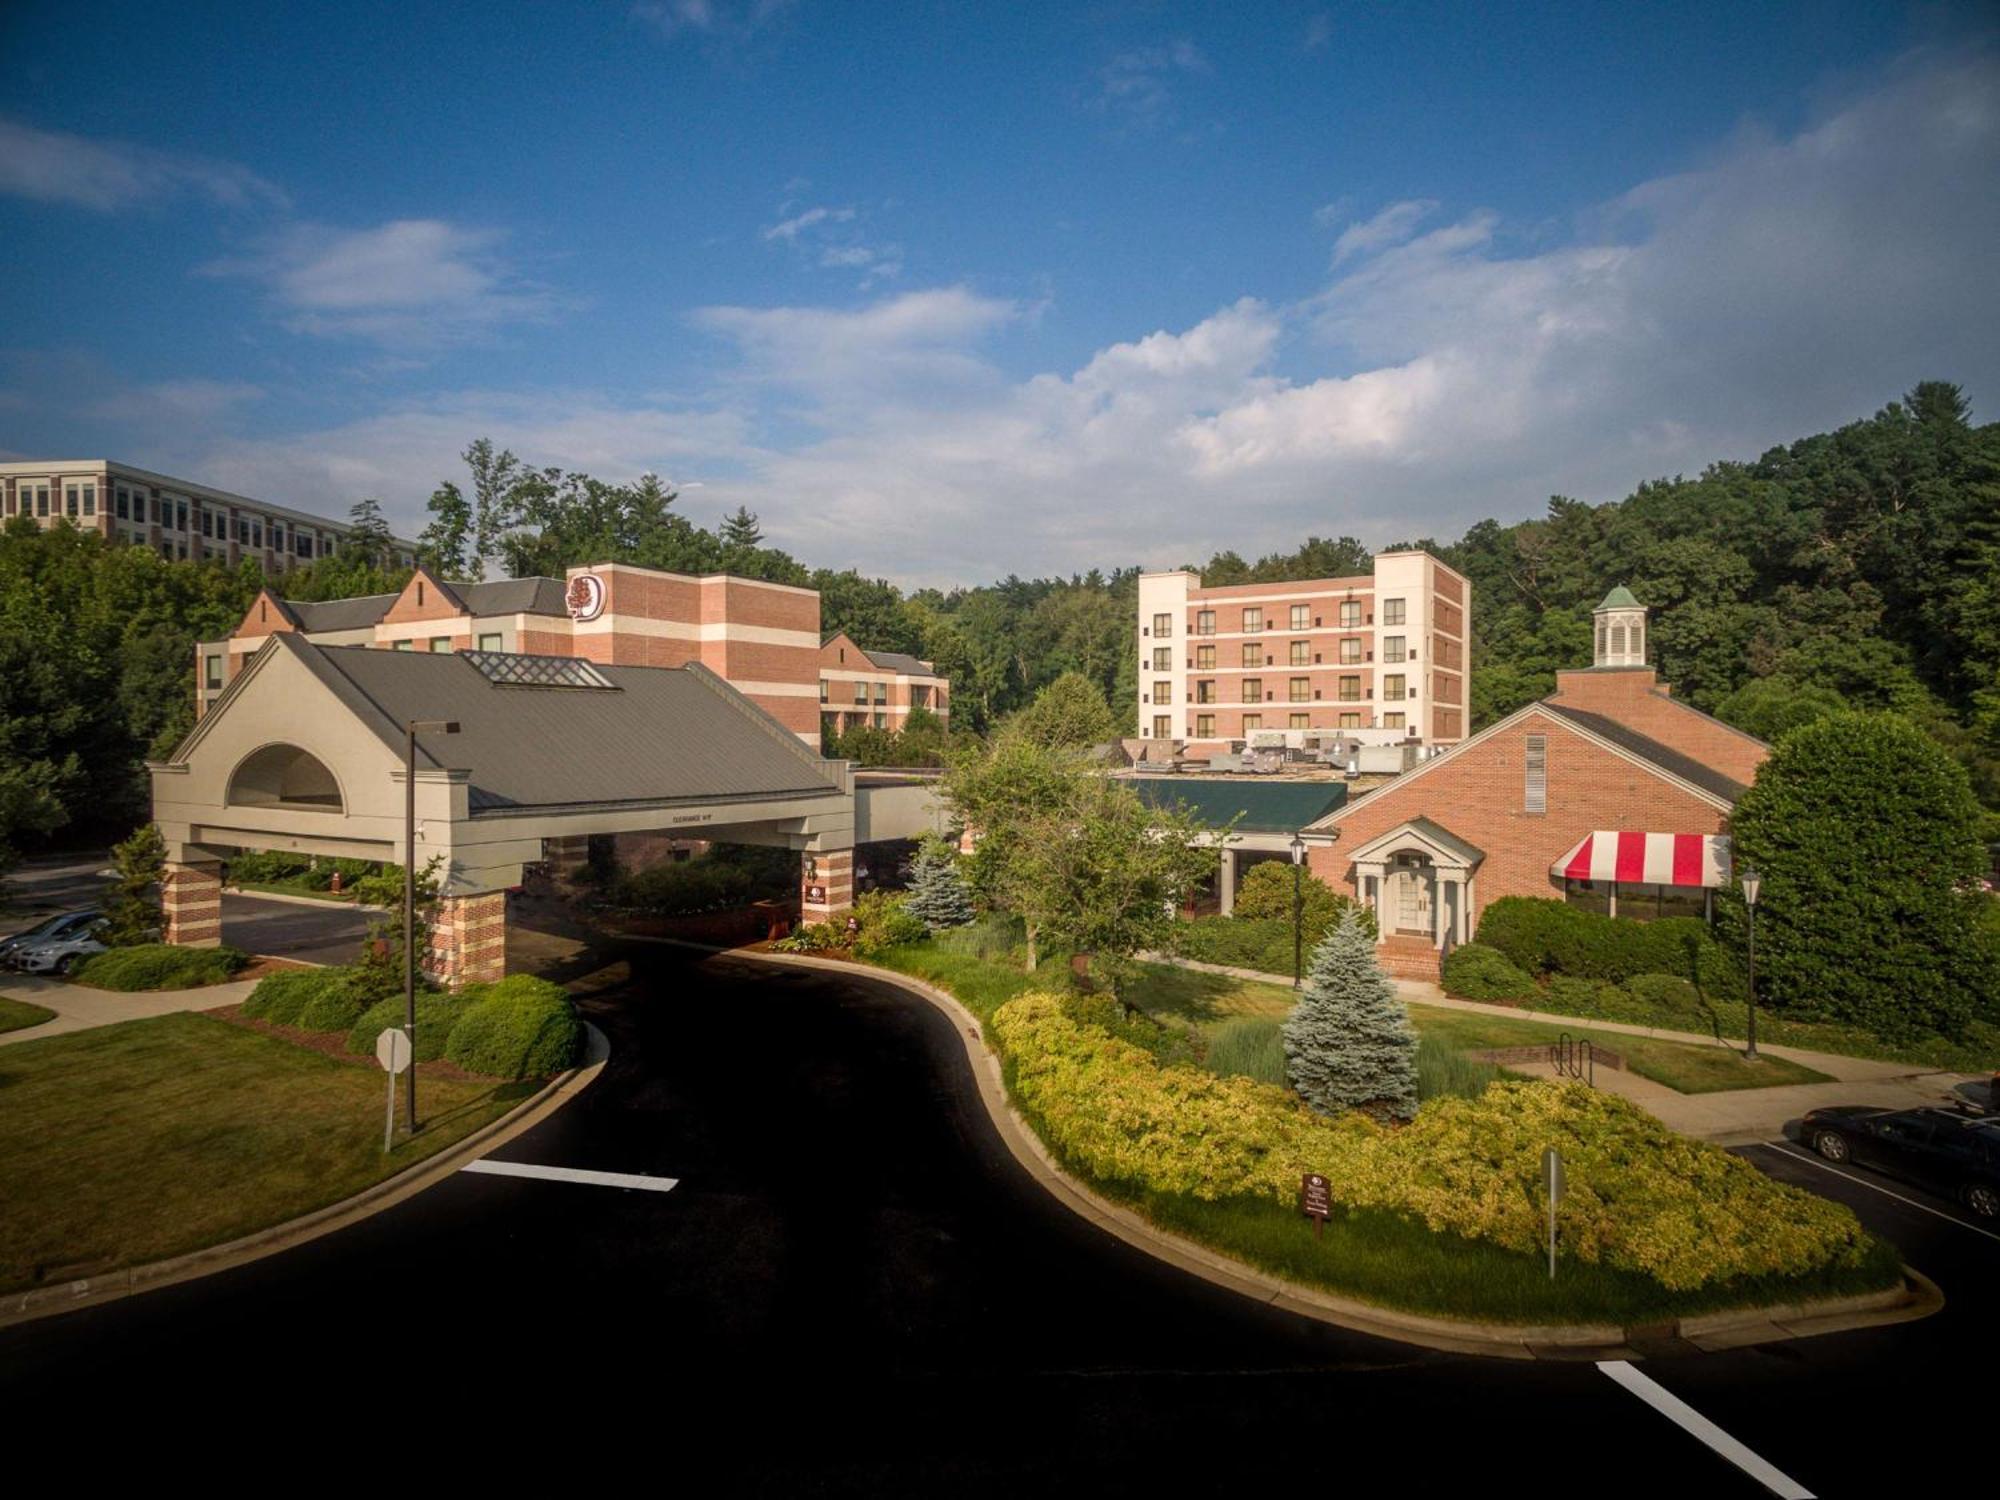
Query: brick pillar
(826, 886)
(469, 940)
(191, 905)
(566, 855)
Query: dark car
(1950, 1152)
(54, 929)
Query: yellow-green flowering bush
(1638, 1196)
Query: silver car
(63, 952)
(48, 930)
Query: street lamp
(1753, 883)
(1298, 904)
(413, 727)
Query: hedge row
(1543, 937)
(521, 1027)
(1639, 1196)
(159, 966)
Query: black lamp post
(1298, 906)
(414, 727)
(1753, 883)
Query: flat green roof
(1263, 806)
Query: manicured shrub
(683, 887)
(335, 1006)
(814, 937)
(520, 1027)
(1545, 936)
(1667, 995)
(1266, 891)
(437, 1013)
(1639, 1197)
(1477, 972)
(1348, 1042)
(939, 896)
(280, 998)
(886, 922)
(1162, 1041)
(1247, 1047)
(159, 966)
(1588, 997)
(268, 866)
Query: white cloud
(409, 282)
(1139, 84)
(175, 403)
(53, 166)
(839, 240)
(727, 20)
(797, 224)
(1390, 226)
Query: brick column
(469, 940)
(829, 887)
(566, 855)
(191, 905)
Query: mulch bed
(333, 1044)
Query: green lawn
(131, 1143)
(1206, 1000)
(18, 1015)
(280, 888)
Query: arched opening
(284, 776)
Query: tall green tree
(1348, 1041)
(1867, 836)
(443, 545)
(741, 529)
(1070, 713)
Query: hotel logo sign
(585, 597)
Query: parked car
(1953, 1153)
(60, 954)
(51, 930)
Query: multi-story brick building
(876, 688)
(762, 638)
(177, 517)
(1610, 793)
(1381, 655)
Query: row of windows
(860, 692)
(443, 643)
(830, 723)
(1395, 688)
(1298, 617)
(1644, 903)
(1204, 724)
(79, 500)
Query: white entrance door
(1413, 902)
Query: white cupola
(1621, 630)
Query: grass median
(131, 1143)
(18, 1015)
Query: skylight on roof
(511, 669)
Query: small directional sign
(1316, 1200)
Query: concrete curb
(45, 1302)
(1917, 1298)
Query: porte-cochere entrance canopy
(305, 752)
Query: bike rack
(1573, 1057)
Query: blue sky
(949, 291)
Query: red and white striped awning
(1695, 859)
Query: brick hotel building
(875, 688)
(178, 518)
(1381, 655)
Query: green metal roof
(1619, 598)
(1264, 806)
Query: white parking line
(574, 1174)
(1677, 1411)
(1807, 1157)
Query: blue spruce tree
(1348, 1042)
(938, 895)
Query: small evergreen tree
(938, 896)
(1348, 1042)
(134, 908)
(741, 529)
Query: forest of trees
(1854, 569)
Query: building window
(1253, 690)
(1301, 617)
(1204, 726)
(1392, 688)
(90, 499)
(1163, 692)
(1204, 622)
(1350, 690)
(861, 694)
(1162, 727)
(1535, 798)
(1350, 721)
(1591, 895)
(1301, 690)
(1350, 651)
(405, 645)
(1617, 631)
(1350, 614)
(1253, 655)
(1392, 647)
(1204, 658)
(1301, 721)
(1252, 723)
(881, 721)
(1204, 692)
(212, 671)
(41, 500)
(1163, 625)
(822, 681)
(1253, 620)
(1163, 658)
(71, 497)
(440, 643)
(1392, 721)
(881, 692)
(1301, 654)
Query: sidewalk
(78, 1007)
(1731, 1117)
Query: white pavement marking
(573, 1174)
(1677, 1411)
(1813, 1161)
